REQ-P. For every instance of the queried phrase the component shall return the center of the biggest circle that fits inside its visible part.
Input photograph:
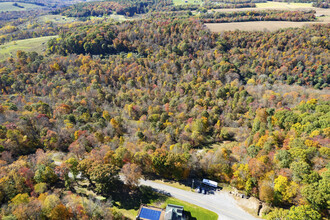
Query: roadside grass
(8, 6)
(283, 5)
(175, 185)
(28, 45)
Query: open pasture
(283, 5)
(9, 6)
(34, 44)
(58, 19)
(256, 25)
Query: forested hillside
(163, 97)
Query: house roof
(173, 212)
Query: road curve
(221, 202)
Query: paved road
(221, 202)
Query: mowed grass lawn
(34, 44)
(194, 212)
(8, 6)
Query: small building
(150, 213)
(174, 212)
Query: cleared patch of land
(59, 19)
(9, 6)
(256, 25)
(34, 44)
(184, 2)
(283, 5)
(112, 17)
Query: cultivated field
(34, 44)
(256, 25)
(8, 6)
(270, 25)
(283, 5)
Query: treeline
(47, 3)
(321, 4)
(193, 7)
(128, 8)
(237, 1)
(14, 15)
(316, 3)
(267, 15)
(32, 27)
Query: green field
(34, 44)
(8, 6)
(183, 2)
(59, 19)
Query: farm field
(28, 45)
(283, 5)
(8, 6)
(256, 25)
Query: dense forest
(163, 97)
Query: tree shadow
(127, 198)
(188, 216)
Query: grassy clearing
(183, 2)
(56, 19)
(34, 44)
(283, 5)
(256, 25)
(8, 6)
(175, 185)
(131, 213)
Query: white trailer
(210, 183)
